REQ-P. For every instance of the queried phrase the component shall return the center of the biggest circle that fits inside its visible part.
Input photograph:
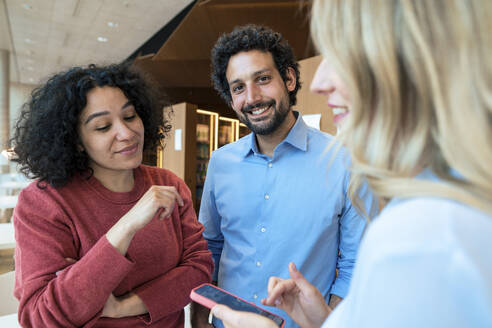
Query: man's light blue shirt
(261, 213)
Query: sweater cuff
(155, 298)
(108, 262)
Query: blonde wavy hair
(419, 76)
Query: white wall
(310, 103)
(19, 94)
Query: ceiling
(46, 36)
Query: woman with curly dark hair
(100, 241)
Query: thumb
(222, 312)
(298, 278)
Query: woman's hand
(298, 298)
(240, 319)
(155, 199)
(111, 308)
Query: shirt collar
(297, 137)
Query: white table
(9, 321)
(13, 187)
(7, 237)
(8, 201)
(14, 184)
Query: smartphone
(209, 295)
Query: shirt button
(263, 229)
(270, 164)
(258, 264)
(255, 296)
(267, 196)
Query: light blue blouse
(424, 262)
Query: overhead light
(27, 6)
(27, 40)
(102, 39)
(112, 24)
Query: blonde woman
(414, 79)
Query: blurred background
(168, 39)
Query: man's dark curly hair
(46, 137)
(246, 38)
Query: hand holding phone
(209, 295)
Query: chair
(9, 303)
(7, 205)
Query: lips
(129, 149)
(258, 109)
(339, 113)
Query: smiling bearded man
(265, 202)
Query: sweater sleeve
(170, 292)
(52, 292)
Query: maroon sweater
(165, 260)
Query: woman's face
(327, 82)
(111, 131)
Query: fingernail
(277, 302)
(216, 311)
(294, 267)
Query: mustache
(249, 108)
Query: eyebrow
(254, 74)
(92, 116)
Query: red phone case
(207, 302)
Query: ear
(291, 81)
(80, 148)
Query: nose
(321, 81)
(123, 131)
(252, 94)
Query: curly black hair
(46, 136)
(252, 37)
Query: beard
(269, 125)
